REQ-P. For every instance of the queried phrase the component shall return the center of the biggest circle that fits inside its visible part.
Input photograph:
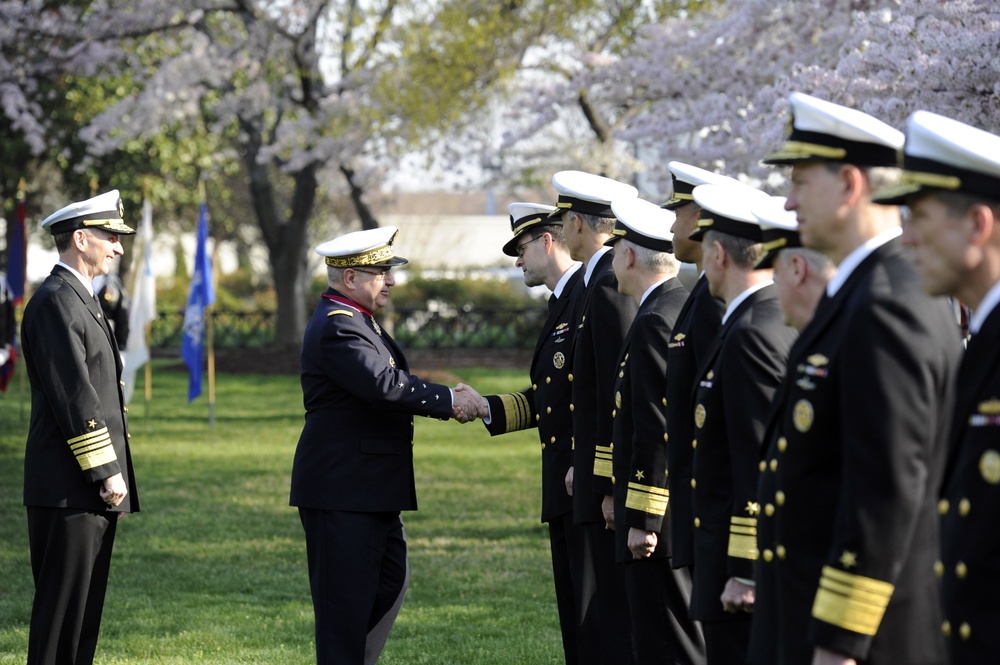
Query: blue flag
(17, 252)
(201, 296)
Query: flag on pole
(201, 296)
(17, 254)
(12, 293)
(143, 307)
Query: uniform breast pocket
(382, 446)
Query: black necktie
(552, 302)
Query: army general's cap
(371, 247)
(686, 177)
(728, 209)
(101, 212)
(644, 223)
(524, 217)
(779, 228)
(588, 194)
(821, 131)
(947, 155)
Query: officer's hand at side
(113, 490)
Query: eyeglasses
(378, 274)
(520, 248)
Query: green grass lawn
(213, 569)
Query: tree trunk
(289, 270)
(285, 238)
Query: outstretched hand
(468, 405)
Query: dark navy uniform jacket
(970, 506)
(78, 434)
(861, 445)
(692, 337)
(546, 404)
(604, 320)
(355, 452)
(639, 457)
(732, 400)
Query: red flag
(12, 291)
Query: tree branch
(368, 220)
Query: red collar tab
(347, 301)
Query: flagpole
(210, 326)
(22, 194)
(210, 343)
(147, 379)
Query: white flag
(143, 306)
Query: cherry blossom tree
(307, 99)
(710, 86)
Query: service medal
(699, 416)
(802, 415)
(559, 360)
(989, 467)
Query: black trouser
(70, 561)
(727, 641)
(357, 573)
(659, 597)
(612, 602)
(575, 592)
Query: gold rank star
(639, 475)
(753, 507)
(848, 559)
(91, 424)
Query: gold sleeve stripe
(80, 449)
(89, 436)
(850, 601)
(662, 491)
(517, 412)
(93, 449)
(743, 521)
(652, 500)
(105, 455)
(743, 546)
(602, 462)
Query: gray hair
(334, 275)
(597, 224)
(817, 262)
(652, 260)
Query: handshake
(468, 404)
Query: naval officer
(867, 404)
(951, 183)
(78, 478)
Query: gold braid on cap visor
(775, 244)
(367, 258)
(801, 149)
(930, 179)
